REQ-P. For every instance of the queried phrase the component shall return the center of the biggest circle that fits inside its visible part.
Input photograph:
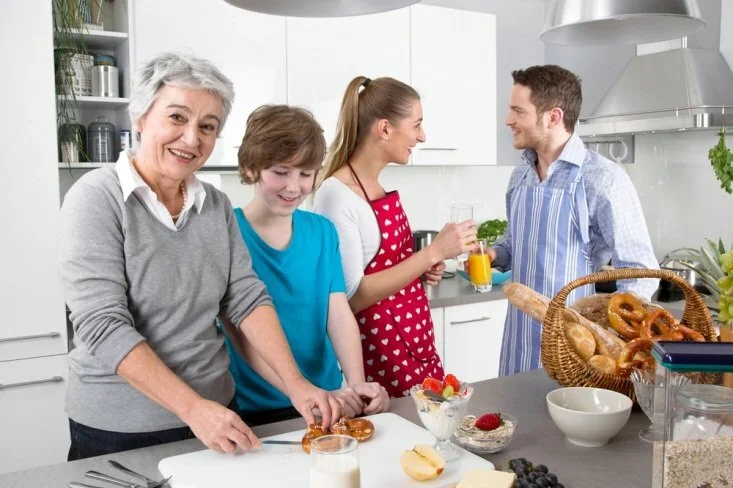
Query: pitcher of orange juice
(479, 266)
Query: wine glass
(442, 417)
(650, 396)
(460, 213)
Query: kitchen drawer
(35, 429)
(472, 342)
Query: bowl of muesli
(486, 433)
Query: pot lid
(603, 22)
(320, 8)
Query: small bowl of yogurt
(442, 416)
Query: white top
(356, 226)
(131, 181)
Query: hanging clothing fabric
(397, 338)
(551, 246)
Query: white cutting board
(288, 466)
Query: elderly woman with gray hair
(151, 256)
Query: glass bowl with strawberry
(441, 406)
(485, 433)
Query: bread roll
(604, 364)
(581, 340)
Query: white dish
(588, 417)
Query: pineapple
(716, 271)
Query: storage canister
(105, 81)
(697, 445)
(102, 141)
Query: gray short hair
(179, 70)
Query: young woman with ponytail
(380, 123)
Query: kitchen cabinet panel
(324, 54)
(473, 336)
(453, 55)
(32, 419)
(248, 47)
(438, 330)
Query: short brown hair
(278, 134)
(553, 86)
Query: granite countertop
(623, 463)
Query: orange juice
(479, 268)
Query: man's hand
(219, 428)
(305, 397)
(376, 397)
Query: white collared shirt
(131, 181)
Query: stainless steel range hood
(676, 90)
(320, 8)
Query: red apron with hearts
(397, 338)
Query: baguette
(535, 305)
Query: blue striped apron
(550, 247)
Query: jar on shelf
(697, 445)
(105, 77)
(102, 141)
(72, 143)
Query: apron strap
(353, 173)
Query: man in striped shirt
(570, 210)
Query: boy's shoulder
(313, 221)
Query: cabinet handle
(438, 149)
(49, 335)
(55, 379)
(459, 322)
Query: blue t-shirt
(300, 279)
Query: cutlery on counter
(120, 482)
(74, 484)
(282, 443)
(150, 483)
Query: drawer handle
(55, 379)
(459, 322)
(437, 149)
(49, 335)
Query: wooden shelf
(98, 102)
(104, 40)
(85, 165)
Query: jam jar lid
(706, 398)
(714, 357)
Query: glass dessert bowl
(475, 437)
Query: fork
(150, 483)
(120, 482)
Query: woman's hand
(306, 397)
(434, 274)
(375, 397)
(454, 239)
(219, 428)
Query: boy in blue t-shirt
(296, 254)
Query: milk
(335, 471)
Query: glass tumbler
(334, 462)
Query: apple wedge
(422, 463)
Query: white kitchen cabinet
(438, 330)
(453, 61)
(248, 47)
(324, 54)
(35, 429)
(473, 336)
(30, 295)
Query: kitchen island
(624, 463)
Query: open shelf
(98, 102)
(99, 39)
(85, 165)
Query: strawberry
(451, 380)
(433, 385)
(489, 421)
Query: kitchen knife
(284, 443)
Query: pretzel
(359, 429)
(625, 313)
(680, 330)
(661, 319)
(627, 361)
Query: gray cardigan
(127, 278)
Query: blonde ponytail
(381, 98)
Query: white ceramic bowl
(588, 417)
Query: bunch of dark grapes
(533, 476)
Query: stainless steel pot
(422, 239)
(670, 263)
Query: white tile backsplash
(681, 197)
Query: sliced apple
(422, 463)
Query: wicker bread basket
(568, 369)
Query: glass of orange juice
(479, 266)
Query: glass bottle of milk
(335, 462)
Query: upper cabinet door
(454, 70)
(248, 47)
(324, 54)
